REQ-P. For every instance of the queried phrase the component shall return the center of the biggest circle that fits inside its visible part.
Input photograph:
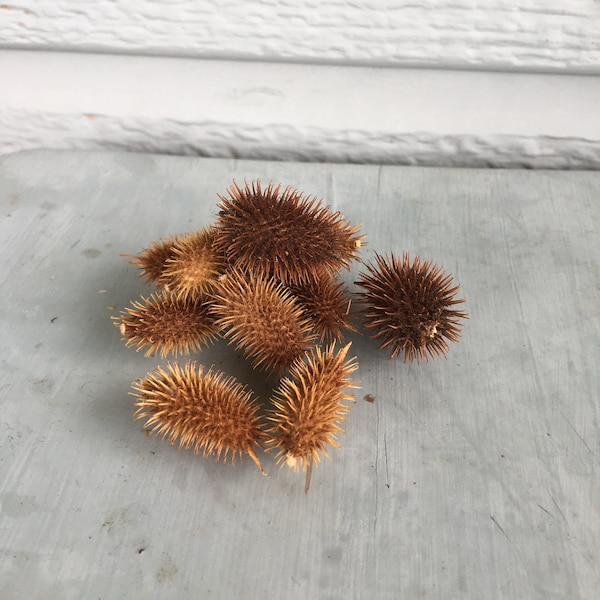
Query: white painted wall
(487, 34)
(460, 82)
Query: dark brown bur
(327, 303)
(283, 233)
(151, 261)
(206, 411)
(408, 306)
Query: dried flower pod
(326, 302)
(284, 234)
(308, 406)
(151, 261)
(206, 411)
(409, 306)
(193, 265)
(262, 318)
(166, 324)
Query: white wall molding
(300, 112)
(528, 35)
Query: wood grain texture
(471, 477)
(499, 34)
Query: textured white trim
(363, 114)
(541, 35)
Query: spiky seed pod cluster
(266, 276)
(283, 233)
(176, 319)
(409, 306)
(206, 411)
(309, 406)
(185, 265)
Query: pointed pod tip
(256, 460)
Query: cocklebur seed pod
(409, 306)
(206, 411)
(326, 302)
(262, 318)
(193, 266)
(166, 324)
(151, 260)
(283, 233)
(309, 407)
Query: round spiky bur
(193, 265)
(205, 411)
(409, 306)
(327, 303)
(151, 261)
(261, 318)
(308, 406)
(166, 324)
(283, 233)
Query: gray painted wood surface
(470, 477)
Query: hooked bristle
(193, 265)
(283, 233)
(327, 303)
(166, 324)
(261, 318)
(409, 306)
(308, 406)
(205, 411)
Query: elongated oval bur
(261, 318)
(206, 411)
(283, 233)
(193, 266)
(308, 406)
(167, 324)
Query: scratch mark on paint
(546, 511)
(558, 507)
(387, 471)
(500, 528)
(580, 437)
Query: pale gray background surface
(470, 477)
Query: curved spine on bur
(166, 324)
(261, 318)
(409, 306)
(309, 407)
(283, 233)
(208, 412)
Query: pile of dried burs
(265, 276)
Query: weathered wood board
(475, 476)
